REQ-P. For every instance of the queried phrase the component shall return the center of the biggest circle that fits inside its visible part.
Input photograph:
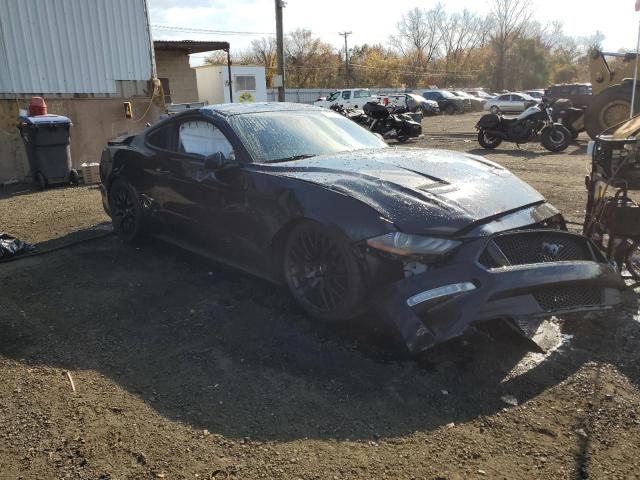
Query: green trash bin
(46, 139)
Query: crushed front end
(520, 276)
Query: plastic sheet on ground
(11, 246)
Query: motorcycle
(535, 122)
(353, 114)
(400, 127)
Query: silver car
(509, 102)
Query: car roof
(230, 109)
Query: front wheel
(126, 211)
(323, 273)
(488, 141)
(555, 138)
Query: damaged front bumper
(493, 278)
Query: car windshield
(280, 136)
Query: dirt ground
(187, 370)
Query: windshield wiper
(294, 157)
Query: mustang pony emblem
(552, 249)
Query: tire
(40, 181)
(449, 110)
(487, 141)
(323, 273)
(494, 109)
(126, 211)
(74, 178)
(609, 108)
(555, 138)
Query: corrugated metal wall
(72, 46)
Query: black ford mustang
(434, 239)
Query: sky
(371, 21)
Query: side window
(361, 94)
(516, 98)
(346, 95)
(162, 137)
(202, 138)
(504, 98)
(333, 96)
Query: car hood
(419, 190)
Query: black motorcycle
(400, 127)
(353, 114)
(535, 122)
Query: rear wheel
(126, 211)
(488, 141)
(555, 138)
(323, 273)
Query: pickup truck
(351, 97)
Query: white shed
(249, 83)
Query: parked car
(537, 94)
(510, 102)
(481, 94)
(350, 98)
(413, 103)
(304, 197)
(580, 94)
(476, 103)
(447, 101)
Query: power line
(206, 30)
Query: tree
(309, 62)
(509, 18)
(418, 35)
(461, 35)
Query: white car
(351, 97)
(510, 102)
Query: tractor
(612, 87)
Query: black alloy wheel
(555, 138)
(126, 211)
(323, 273)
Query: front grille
(523, 248)
(552, 299)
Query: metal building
(71, 47)
(92, 61)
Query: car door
(517, 102)
(503, 102)
(203, 201)
(346, 98)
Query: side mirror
(214, 161)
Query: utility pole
(346, 56)
(280, 4)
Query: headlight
(405, 244)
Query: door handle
(161, 172)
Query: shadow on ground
(223, 351)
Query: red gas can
(37, 106)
